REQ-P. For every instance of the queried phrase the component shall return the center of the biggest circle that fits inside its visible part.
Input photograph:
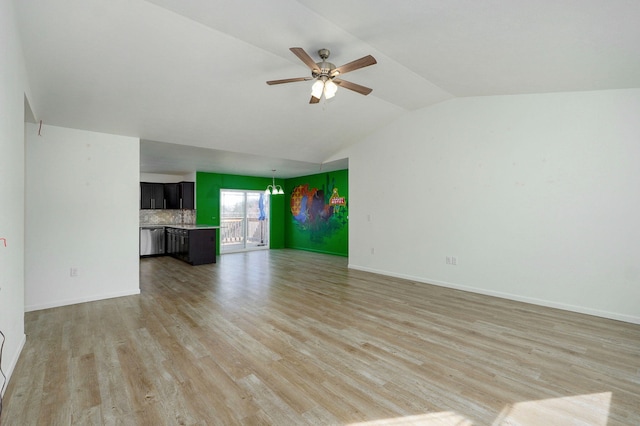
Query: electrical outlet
(372, 250)
(73, 272)
(448, 260)
(454, 260)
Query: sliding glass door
(244, 220)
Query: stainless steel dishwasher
(151, 240)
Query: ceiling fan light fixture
(330, 89)
(317, 88)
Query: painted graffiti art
(317, 212)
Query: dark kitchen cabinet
(176, 242)
(179, 195)
(194, 246)
(187, 195)
(167, 196)
(151, 195)
(202, 246)
(171, 196)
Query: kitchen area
(168, 224)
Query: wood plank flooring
(288, 337)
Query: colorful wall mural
(318, 216)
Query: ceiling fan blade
(314, 100)
(352, 86)
(289, 80)
(304, 57)
(365, 61)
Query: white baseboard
(58, 303)
(14, 361)
(540, 302)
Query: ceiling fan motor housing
(325, 68)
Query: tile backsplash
(167, 217)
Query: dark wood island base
(194, 246)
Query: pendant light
(273, 188)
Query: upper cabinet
(179, 195)
(187, 195)
(171, 195)
(167, 196)
(151, 195)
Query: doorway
(244, 220)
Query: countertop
(188, 227)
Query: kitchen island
(194, 244)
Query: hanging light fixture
(324, 85)
(273, 188)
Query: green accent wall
(208, 187)
(316, 226)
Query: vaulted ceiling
(188, 77)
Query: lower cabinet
(194, 246)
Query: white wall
(82, 212)
(537, 196)
(13, 87)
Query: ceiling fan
(326, 74)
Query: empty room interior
(324, 213)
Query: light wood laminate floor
(289, 337)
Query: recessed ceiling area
(189, 78)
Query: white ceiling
(188, 77)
